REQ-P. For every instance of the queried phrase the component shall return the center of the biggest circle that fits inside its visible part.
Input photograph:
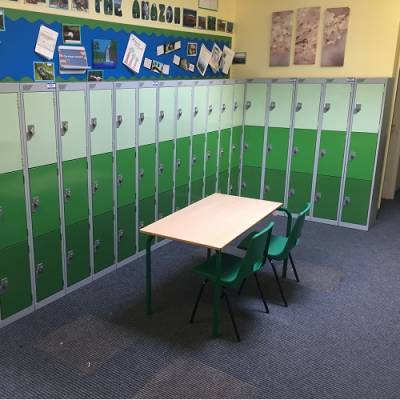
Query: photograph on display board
(154, 12)
(306, 35)
(161, 16)
(209, 4)
(189, 18)
(2, 20)
(202, 22)
(216, 54)
(80, 5)
(281, 38)
(192, 49)
(177, 15)
(108, 7)
(211, 23)
(43, 71)
(118, 8)
(62, 4)
(203, 60)
(335, 35)
(136, 9)
(168, 47)
(145, 10)
(71, 34)
(104, 53)
(229, 27)
(221, 25)
(95, 75)
(40, 2)
(169, 14)
(97, 6)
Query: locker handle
(234, 147)
(96, 187)
(31, 132)
(67, 194)
(318, 197)
(161, 169)
(119, 121)
(299, 106)
(353, 155)
(141, 173)
(272, 106)
(39, 269)
(141, 118)
(291, 192)
(1, 211)
(162, 115)
(357, 108)
(3, 285)
(64, 128)
(322, 153)
(208, 156)
(180, 113)
(120, 235)
(347, 201)
(327, 107)
(70, 256)
(141, 224)
(244, 185)
(223, 107)
(194, 159)
(248, 104)
(236, 106)
(269, 148)
(246, 146)
(222, 152)
(35, 203)
(210, 109)
(267, 188)
(295, 150)
(196, 111)
(93, 124)
(97, 244)
(120, 180)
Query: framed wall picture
(189, 18)
(209, 4)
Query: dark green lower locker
(16, 294)
(223, 182)
(223, 173)
(210, 184)
(126, 176)
(165, 204)
(48, 265)
(196, 185)
(299, 191)
(126, 232)
(78, 252)
(211, 163)
(146, 217)
(356, 201)
(166, 166)
(275, 181)
(196, 191)
(102, 181)
(182, 161)
(326, 202)
(251, 179)
(234, 181)
(181, 197)
(103, 241)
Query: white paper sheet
(226, 60)
(134, 53)
(216, 54)
(46, 42)
(203, 60)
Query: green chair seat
(276, 246)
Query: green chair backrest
(255, 254)
(297, 229)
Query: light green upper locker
(369, 98)
(39, 118)
(166, 130)
(147, 116)
(214, 108)
(184, 111)
(226, 106)
(10, 143)
(73, 124)
(337, 100)
(280, 105)
(125, 115)
(307, 105)
(101, 121)
(238, 101)
(200, 110)
(256, 98)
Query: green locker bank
(120, 155)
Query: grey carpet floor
(339, 337)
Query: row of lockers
(84, 166)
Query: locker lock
(93, 124)
(120, 235)
(291, 192)
(244, 185)
(3, 285)
(162, 115)
(299, 106)
(357, 108)
(70, 256)
(322, 153)
(235, 106)
(120, 180)
(161, 169)
(141, 118)
(97, 244)
(327, 107)
(35, 203)
(347, 201)
(31, 131)
(267, 188)
(222, 152)
(223, 107)
(39, 269)
(295, 150)
(269, 148)
(180, 113)
(67, 194)
(353, 155)
(272, 106)
(210, 109)
(246, 146)
(318, 197)
(64, 128)
(119, 121)
(96, 187)
(1, 211)
(208, 156)
(248, 104)
(194, 159)
(234, 147)
(178, 162)
(196, 111)
(141, 173)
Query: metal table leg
(148, 274)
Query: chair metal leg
(241, 286)
(198, 300)
(284, 269)
(231, 315)
(294, 268)
(278, 283)
(261, 293)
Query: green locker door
(182, 167)
(101, 128)
(198, 143)
(72, 104)
(304, 141)
(331, 150)
(125, 109)
(147, 157)
(362, 152)
(44, 191)
(166, 144)
(236, 143)
(214, 116)
(15, 284)
(253, 143)
(280, 110)
(225, 138)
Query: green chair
(235, 269)
(280, 247)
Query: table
(213, 223)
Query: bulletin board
(17, 44)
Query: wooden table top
(212, 222)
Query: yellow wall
(226, 10)
(371, 40)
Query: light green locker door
(331, 150)
(101, 128)
(304, 141)
(214, 116)
(15, 284)
(72, 104)
(166, 144)
(225, 138)
(147, 158)
(280, 110)
(198, 142)
(362, 152)
(182, 167)
(253, 144)
(237, 128)
(125, 108)
(44, 191)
